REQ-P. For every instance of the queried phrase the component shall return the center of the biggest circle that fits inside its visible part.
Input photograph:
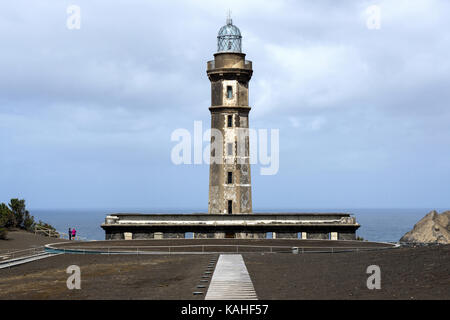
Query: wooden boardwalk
(230, 280)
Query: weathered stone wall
(117, 234)
(143, 235)
(244, 226)
(114, 235)
(250, 235)
(173, 235)
(219, 235)
(216, 93)
(239, 191)
(346, 235)
(318, 235)
(286, 235)
(204, 235)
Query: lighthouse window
(230, 121)
(230, 149)
(230, 206)
(229, 92)
(230, 177)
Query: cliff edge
(433, 228)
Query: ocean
(387, 225)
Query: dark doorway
(229, 235)
(230, 206)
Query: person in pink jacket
(74, 233)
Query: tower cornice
(231, 108)
(230, 74)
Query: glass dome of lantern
(229, 38)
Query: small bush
(23, 219)
(7, 218)
(28, 222)
(3, 233)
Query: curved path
(199, 246)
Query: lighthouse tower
(229, 176)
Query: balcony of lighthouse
(229, 61)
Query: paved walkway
(230, 280)
(26, 259)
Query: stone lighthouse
(230, 193)
(230, 189)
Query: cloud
(104, 99)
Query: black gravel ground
(19, 240)
(406, 273)
(107, 277)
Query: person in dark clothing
(70, 234)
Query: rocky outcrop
(433, 228)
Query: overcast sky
(86, 115)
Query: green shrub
(16, 216)
(3, 233)
(7, 218)
(28, 222)
(20, 213)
